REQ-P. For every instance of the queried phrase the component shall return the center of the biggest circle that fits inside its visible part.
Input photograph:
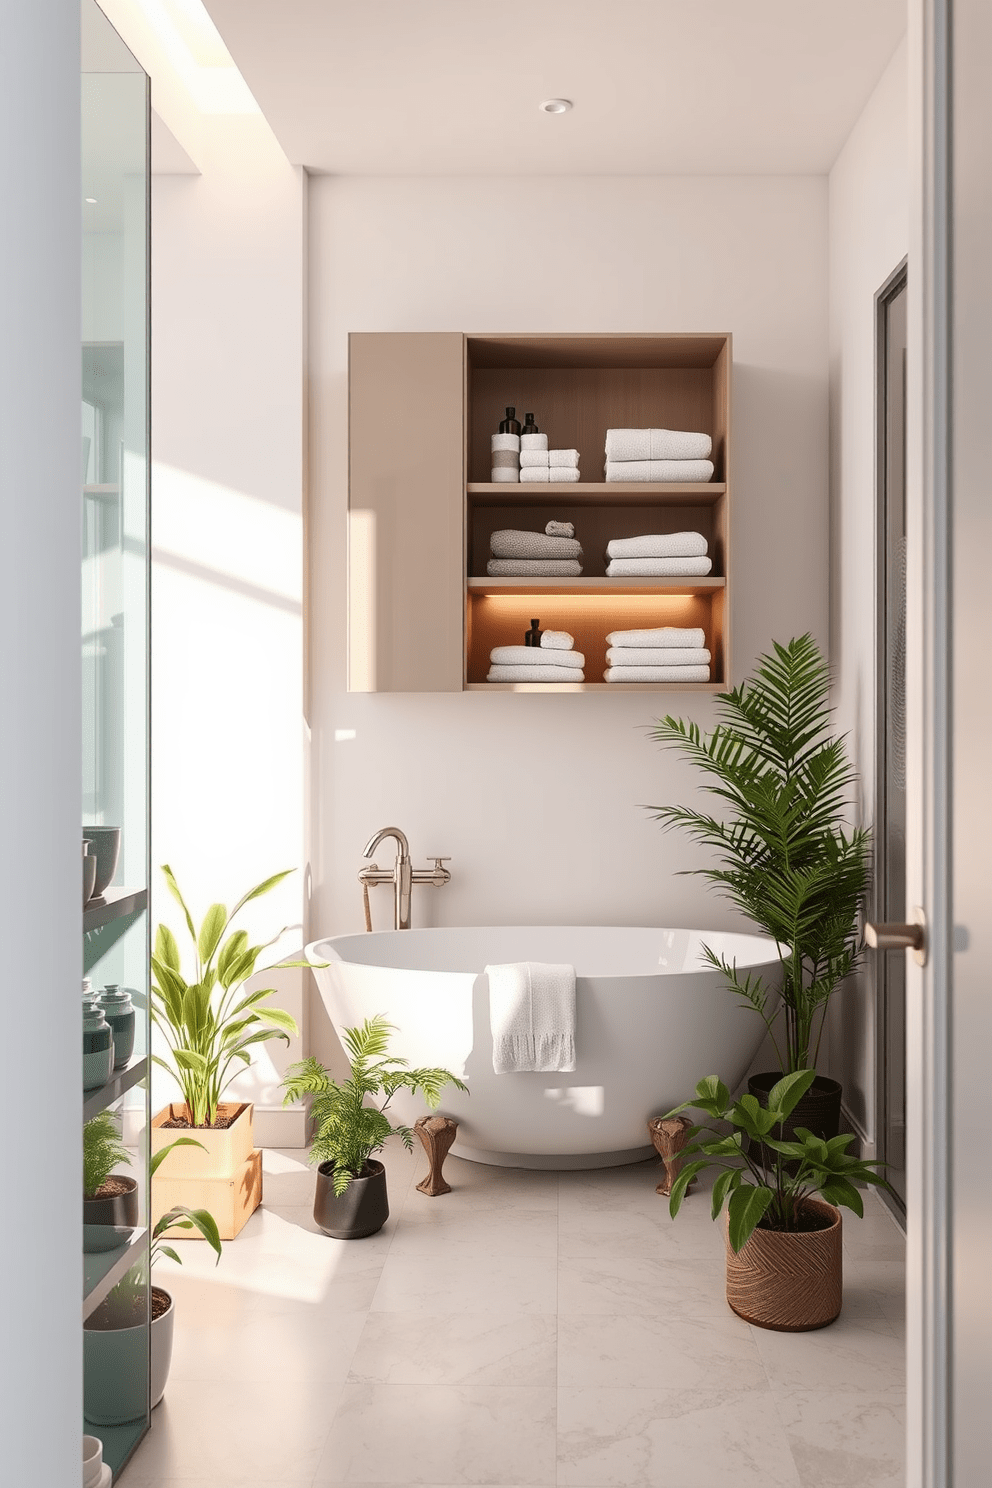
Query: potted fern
(784, 855)
(350, 1200)
(116, 1381)
(110, 1200)
(210, 1026)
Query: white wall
(538, 798)
(228, 258)
(869, 233)
(40, 764)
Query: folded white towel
(560, 529)
(532, 656)
(498, 475)
(557, 640)
(509, 543)
(563, 459)
(662, 635)
(620, 656)
(658, 545)
(505, 442)
(659, 470)
(547, 673)
(533, 568)
(535, 459)
(562, 474)
(657, 674)
(532, 1016)
(657, 444)
(658, 568)
(533, 441)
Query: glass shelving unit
(115, 672)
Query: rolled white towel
(621, 656)
(658, 545)
(535, 459)
(532, 1016)
(562, 475)
(657, 674)
(658, 568)
(505, 442)
(505, 477)
(659, 470)
(509, 543)
(533, 441)
(535, 656)
(533, 568)
(657, 444)
(548, 673)
(557, 640)
(560, 529)
(563, 459)
(662, 635)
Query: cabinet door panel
(405, 512)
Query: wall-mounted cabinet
(423, 613)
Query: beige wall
(538, 798)
(869, 228)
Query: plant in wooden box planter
(110, 1200)
(784, 1245)
(784, 855)
(350, 1200)
(117, 1372)
(210, 1026)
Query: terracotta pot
(791, 1283)
(108, 1223)
(361, 1210)
(115, 1378)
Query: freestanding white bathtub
(651, 1019)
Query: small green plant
(775, 1199)
(784, 856)
(102, 1151)
(208, 1025)
(346, 1130)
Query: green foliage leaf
(103, 1150)
(173, 888)
(785, 1095)
(196, 1219)
(167, 948)
(683, 1178)
(260, 889)
(748, 1205)
(725, 1184)
(279, 1019)
(838, 1191)
(158, 1158)
(214, 923)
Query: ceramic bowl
(107, 847)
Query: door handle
(911, 936)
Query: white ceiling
(414, 87)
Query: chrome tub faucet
(402, 876)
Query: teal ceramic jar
(98, 1046)
(118, 1010)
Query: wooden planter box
(226, 1179)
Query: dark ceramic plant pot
(818, 1110)
(361, 1210)
(108, 1223)
(106, 846)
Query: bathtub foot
(669, 1138)
(437, 1134)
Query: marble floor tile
(486, 1186)
(620, 1352)
(441, 1434)
(686, 1438)
(292, 1342)
(643, 1285)
(840, 1442)
(468, 1348)
(460, 1283)
(852, 1354)
(458, 1230)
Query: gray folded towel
(507, 477)
(557, 640)
(505, 460)
(536, 568)
(659, 470)
(662, 635)
(658, 545)
(657, 674)
(533, 441)
(535, 674)
(658, 568)
(562, 475)
(621, 656)
(657, 444)
(509, 543)
(560, 529)
(535, 656)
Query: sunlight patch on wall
(196, 50)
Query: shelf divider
(121, 1080)
(115, 904)
(103, 1269)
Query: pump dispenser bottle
(510, 424)
(529, 425)
(533, 636)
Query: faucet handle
(441, 874)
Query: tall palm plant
(784, 855)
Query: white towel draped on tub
(532, 1016)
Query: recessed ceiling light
(91, 200)
(555, 105)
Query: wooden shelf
(595, 493)
(103, 1269)
(121, 1080)
(115, 904)
(602, 585)
(595, 686)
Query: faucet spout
(402, 877)
(402, 845)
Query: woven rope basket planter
(789, 1283)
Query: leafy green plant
(775, 1199)
(210, 1023)
(102, 1151)
(346, 1130)
(785, 858)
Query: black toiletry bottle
(533, 636)
(509, 425)
(529, 425)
